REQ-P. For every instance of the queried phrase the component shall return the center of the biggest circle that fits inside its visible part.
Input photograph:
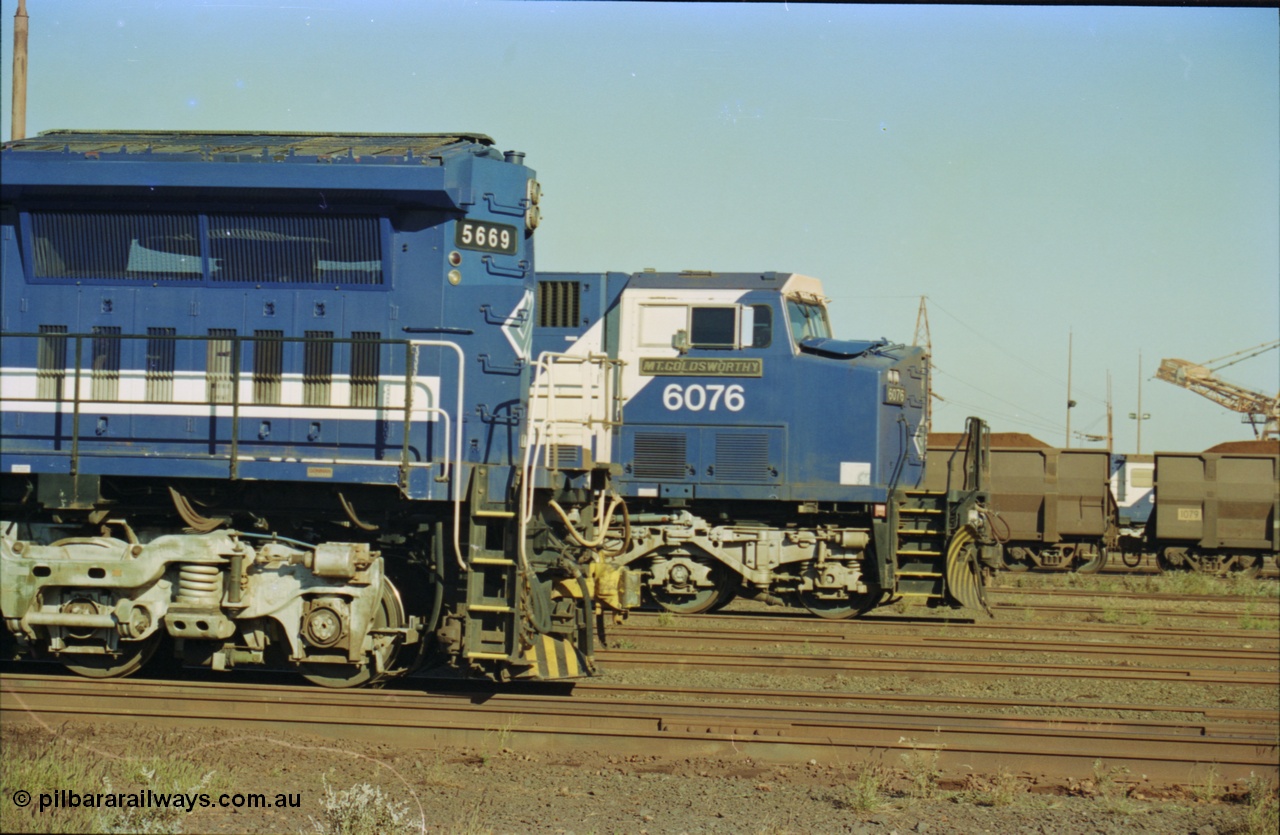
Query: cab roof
(786, 283)
(256, 146)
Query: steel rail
(1109, 710)
(775, 664)
(1002, 591)
(801, 624)
(1170, 613)
(1120, 651)
(1170, 753)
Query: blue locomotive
(758, 455)
(264, 395)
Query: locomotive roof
(725, 281)
(255, 146)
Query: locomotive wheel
(722, 590)
(133, 656)
(1247, 566)
(1015, 564)
(1093, 565)
(390, 615)
(724, 600)
(839, 608)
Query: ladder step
(919, 510)
(918, 574)
(485, 607)
(916, 553)
(919, 532)
(492, 561)
(488, 656)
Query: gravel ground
(498, 790)
(492, 788)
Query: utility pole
(18, 127)
(1070, 403)
(1139, 415)
(1110, 437)
(922, 333)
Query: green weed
(59, 765)
(1208, 790)
(364, 810)
(1112, 794)
(1262, 812)
(921, 766)
(866, 792)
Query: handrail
(75, 416)
(235, 376)
(455, 493)
(541, 427)
(235, 409)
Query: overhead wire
(1013, 354)
(1039, 420)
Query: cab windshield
(808, 320)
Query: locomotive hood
(841, 348)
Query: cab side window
(713, 327)
(757, 326)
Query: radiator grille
(106, 363)
(742, 456)
(161, 353)
(218, 355)
(148, 247)
(258, 249)
(364, 368)
(295, 250)
(565, 456)
(51, 362)
(268, 366)
(317, 368)
(558, 304)
(660, 456)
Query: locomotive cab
(756, 453)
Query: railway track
(853, 665)
(1099, 611)
(1105, 712)
(1136, 595)
(686, 724)
(1266, 614)
(769, 623)
(848, 644)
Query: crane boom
(1201, 379)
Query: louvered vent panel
(558, 304)
(295, 249)
(149, 247)
(566, 456)
(660, 456)
(742, 457)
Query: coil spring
(200, 585)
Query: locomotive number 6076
(697, 397)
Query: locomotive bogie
(216, 596)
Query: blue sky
(1112, 174)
